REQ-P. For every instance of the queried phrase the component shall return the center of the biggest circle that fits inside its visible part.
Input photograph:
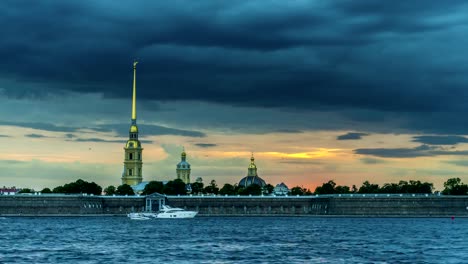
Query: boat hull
(182, 214)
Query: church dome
(252, 176)
(133, 129)
(183, 165)
(249, 180)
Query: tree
(197, 187)
(300, 191)
(454, 186)
(368, 188)
(46, 190)
(253, 189)
(26, 190)
(79, 186)
(212, 188)
(268, 189)
(125, 189)
(342, 189)
(326, 188)
(110, 190)
(175, 187)
(153, 187)
(58, 189)
(227, 189)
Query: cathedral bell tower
(133, 161)
(183, 168)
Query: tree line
(453, 186)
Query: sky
(337, 90)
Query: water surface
(233, 240)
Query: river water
(233, 240)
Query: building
(252, 176)
(133, 162)
(281, 189)
(8, 190)
(183, 168)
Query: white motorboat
(137, 216)
(171, 212)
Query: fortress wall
(69, 205)
(50, 204)
(251, 205)
(122, 205)
(400, 206)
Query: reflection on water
(233, 240)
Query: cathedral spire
(134, 115)
(133, 161)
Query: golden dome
(133, 129)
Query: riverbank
(321, 206)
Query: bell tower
(133, 160)
(183, 168)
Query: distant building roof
(281, 189)
(138, 188)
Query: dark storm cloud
(351, 136)
(45, 126)
(420, 151)
(35, 136)
(154, 130)
(440, 140)
(100, 140)
(120, 129)
(4, 136)
(205, 145)
(331, 56)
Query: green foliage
(153, 187)
(454, 186)
(298, 190)
(26, 190)
(125, 189)
(46, 190)
(175, 187)
(228, 189)
(367, 187)
(79, 186)
(342, 189)
(110, 190)
(268, 189)
(197, 187)
(326, 188)
(212, 188)
(253, 189)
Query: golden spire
(134, 115)
(252, 162)
(183, 154)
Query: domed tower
(252, 176)
(183, 168)
(133, 161)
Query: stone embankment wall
(431, 206)
(331, 205)
(68, 205)
(367, 206)
(251, 206)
